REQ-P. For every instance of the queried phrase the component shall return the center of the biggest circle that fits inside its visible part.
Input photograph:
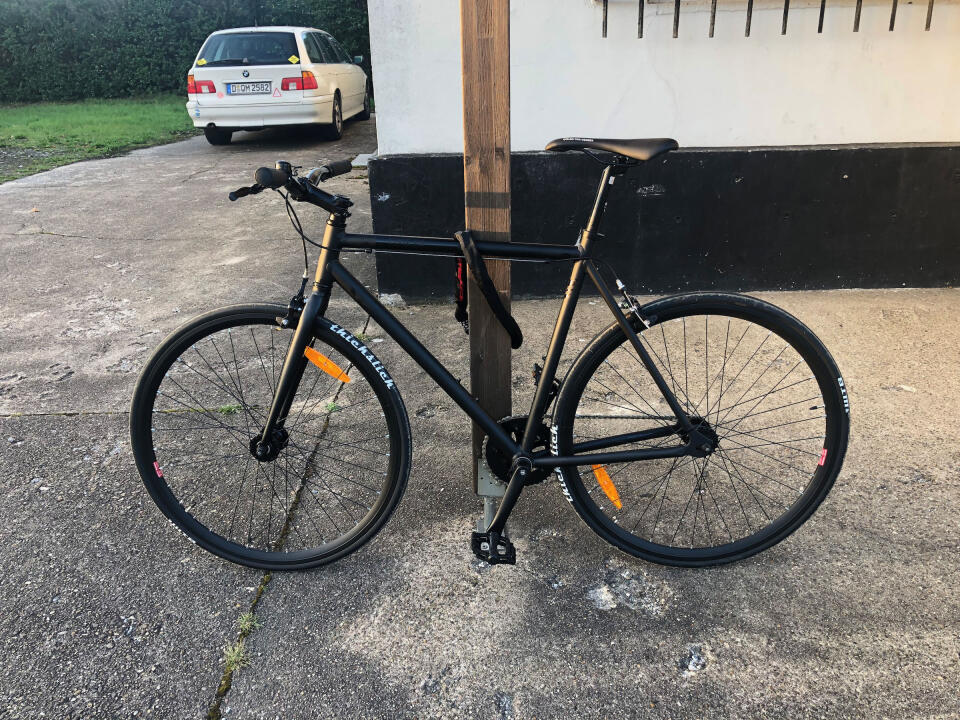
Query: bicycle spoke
(719, 511)
(660, 480)
(746, 485)
(771, 427)
(653, 409)
(727, 414)
(763, 475)
(723, 368)
(736, 421)
(771, 457)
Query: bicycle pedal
(504, 552)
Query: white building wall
(769, 89)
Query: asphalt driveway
(108, 612)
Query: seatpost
(600, 204)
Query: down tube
(424, 358)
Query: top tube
(449, 246)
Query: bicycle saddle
(640, 149)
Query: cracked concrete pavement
(109, 612)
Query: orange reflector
(325, 364)
(606, 484)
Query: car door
(333, 68)
(323, 67)
(353, 79)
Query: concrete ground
(109, 613)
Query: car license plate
(248, 88)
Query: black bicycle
(695, 430)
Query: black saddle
(642, 149)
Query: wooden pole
(485, 45)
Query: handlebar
(302, 189)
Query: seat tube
(539, 404)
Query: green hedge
(74, 49)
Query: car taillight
(191, 86)
(306, 81)
(205, 86)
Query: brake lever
(244, 191)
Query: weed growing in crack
(247, 623)
(235, 656)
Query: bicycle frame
(330, 270)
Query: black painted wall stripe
(737, 219)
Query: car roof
(269, 28)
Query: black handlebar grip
(340, 167)
(270, 178)
(239, 193)
(325, 172)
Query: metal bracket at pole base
(488, 484)
(490, 490)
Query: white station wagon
(256, 77)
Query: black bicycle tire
(804, 341)
(140, 424)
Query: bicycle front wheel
(340, 464)
(754, 380)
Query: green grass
(45, 135)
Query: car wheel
(365, 113)
(216, 136)
(334, 131)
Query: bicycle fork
(273, 437)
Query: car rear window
(249, 48)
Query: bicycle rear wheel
(341, 465)
(755, 380)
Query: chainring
(500, 460)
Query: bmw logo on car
(246, 73)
